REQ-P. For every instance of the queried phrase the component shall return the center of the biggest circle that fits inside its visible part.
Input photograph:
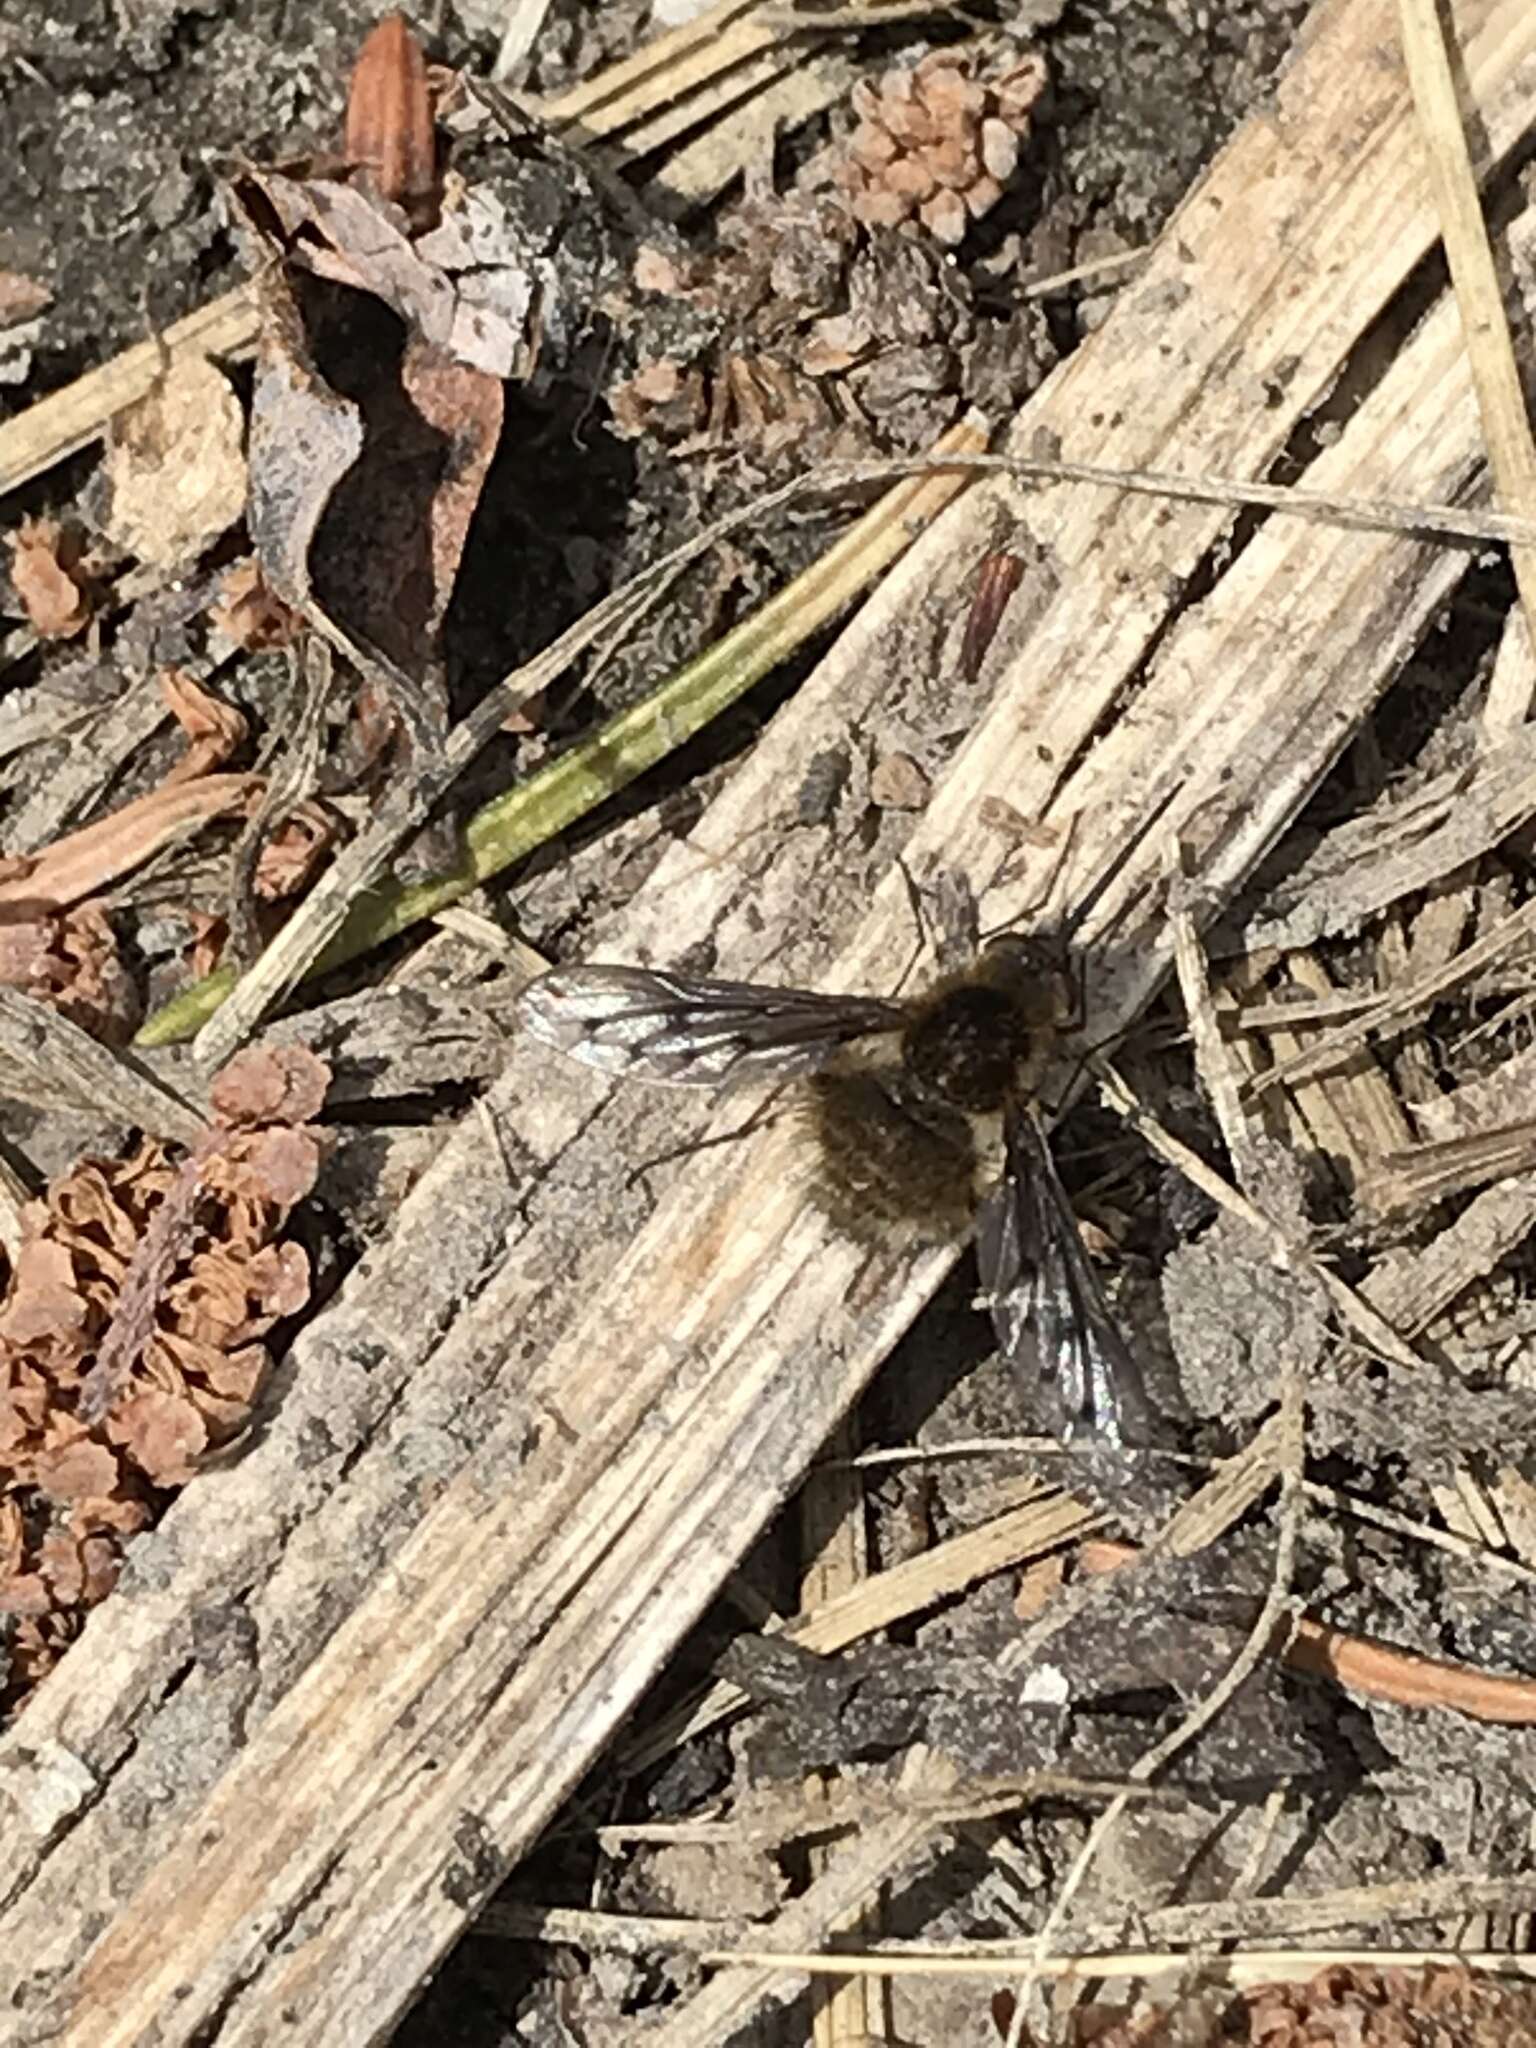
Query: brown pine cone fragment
(937, 146)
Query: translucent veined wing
(693, 1031)
(1047, 1307)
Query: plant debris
(130, 1337)
(51, 579)
(1439, 2006)
(1392, 2009)
(390, 139)
(936, 145)
(175, 467)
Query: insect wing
(692, 1031)
(1047, 1307)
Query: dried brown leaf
(128, 1342)
(290, 857)
(70, 959)
(249, 612)
(110, 1515)
(209, 1300)
(277, 1281)
(84, 862)
(175, 466)
(215, 730)
(44, 1304)
(47, 573)
(271, 1168)
(100, 1565)
(938, 139)
(25, 1593)
(23, 1409)
(234, 1377)
(63, 1567)
(390, 136)
(462, 407)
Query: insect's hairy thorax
(978, 1035)
(966, 1048)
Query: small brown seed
(390, 134)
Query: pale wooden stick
(835, 1542)
(1247, 1968)
(1490, 348)
(1228, 1919)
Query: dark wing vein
(693, 1031)
(1047, 1307)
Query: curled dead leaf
(50, 579)
(25, 1593)
(69, 959)
(23, 1411)
(215, 730)
(114, 1515)
(290, 857)
(232, 1377)
(129, 1341)
(249, 612)
(271, 1167)
(76, 1471)
(44, 1304)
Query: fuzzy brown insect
(913, 1134)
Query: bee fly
(921, 1108)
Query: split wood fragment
(1490, 346)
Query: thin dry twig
(1250, 1967)
(1376, 1670)
(1280, 1608)
(1230, 1919)
(1448, 1540)
(1371, 1326)
(1490, 347)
